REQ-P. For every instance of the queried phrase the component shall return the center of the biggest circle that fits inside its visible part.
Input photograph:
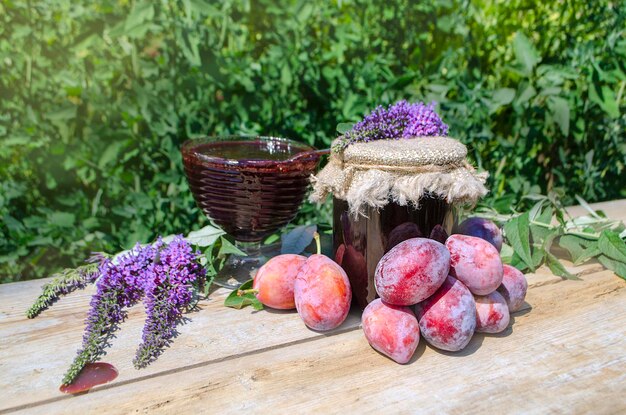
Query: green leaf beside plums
(234, 300)
(611, 245)
(517, 233)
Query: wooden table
(564, 353)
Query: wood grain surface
(565, 352)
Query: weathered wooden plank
(35, 353)
(564, 356)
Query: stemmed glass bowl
(250, 186)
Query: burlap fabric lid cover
(376, 172)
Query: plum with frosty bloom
(412, 271)
(322, 293)
(274, 281)
(392, 330)
(482, 228)
(447, 320)
(492, 313)
(475, 262)
(513, 288)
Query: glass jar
(360, 241)
(387, 191)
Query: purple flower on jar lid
(400, 120)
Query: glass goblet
(250, 186)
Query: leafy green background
(96, 98)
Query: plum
(322, 292)
(412, 271)
(447, 319)
(475, 262)
(274, 281)
(392, 330)
(439, 234)
(492, 313)
(513, 288)
(401, 233)
(482, 228)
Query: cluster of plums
(445, 292)
(316, 286)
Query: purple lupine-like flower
(400, 120)
(169, 291)
(167, 276)
(120, 285)
(65, 282)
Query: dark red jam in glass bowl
(250, 186)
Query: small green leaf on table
(234, 300)
(617, 267)
(557, 268)
(580, 249)
(506, 253)
(517, 233)
(612, 245)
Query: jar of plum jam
(388, 191)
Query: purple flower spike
(167, 277)
(169, 291)
(119, 285)
(400, 120)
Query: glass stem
(252, 249)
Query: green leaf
(285, 76)
(546, 215)
(612, 245)
(525, 53)
(506, 253)
(580, 249)
(557, 268)
(344, 127)
(526, 95)
(517, 262)
(517, 233)
(111, 153)
(296, 241)
(205, 236)
(142, 11)
(540, 234)
(582, 202)
(537, 256)
(227, 248)
(561, 113)
(617, 267)
(240, 301)
(271, 239)
(62, 219)
(503, 96)
(604, 96)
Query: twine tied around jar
(402, 171)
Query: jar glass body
(359, 242)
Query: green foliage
(96, 98)
(531, 236)
(242, 297)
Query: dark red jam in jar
(360, 241)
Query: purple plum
(482, 228)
